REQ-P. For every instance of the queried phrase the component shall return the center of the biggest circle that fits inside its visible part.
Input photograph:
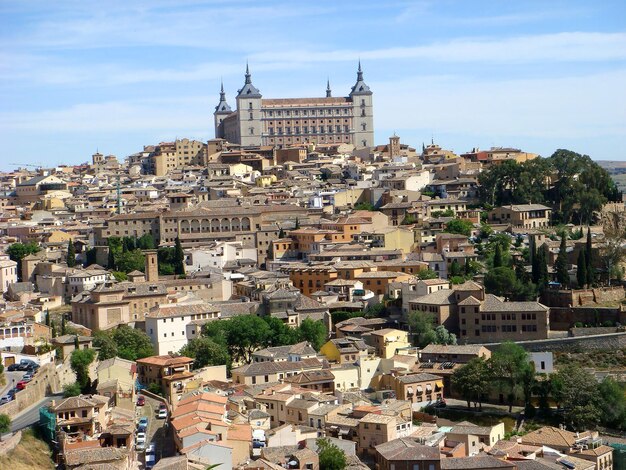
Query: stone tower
(221, 111)
(152, 266)
(363, 110)
(249, 110)
(394, 146)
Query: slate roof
(407, 449)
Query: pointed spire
(359, 73)
(360, 88)
(328, 92)
(248, 76)
(222, 93)
(222, 107)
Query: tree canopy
(331, 457)
(206, 352)
(424, 332)
(460, 226)
(573, 183)
(79, 362)
(125, 342)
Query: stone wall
(566, 318)
(582, 297)
(45, 382)
(611, 341)
(7, 445)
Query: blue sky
(76, 76)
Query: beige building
(84, 413)
(117, 379)
(168, 156)
(8, 273)
(528, 216)
(171, 373)
(266, 372)
(101, 308)
(475, 438)
(388, 342)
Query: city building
(286, 122)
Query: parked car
(441, 403)
(21, 385)
(141, 400)
(5, 399)
(27, 377)
(23, 367)
(13, 367)
(150, 456)
(162, 414)
(11, 393)
(162, 406)
(258, 444)
(140, 440)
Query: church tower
(363, 112)
(221, 111)
(249, 113)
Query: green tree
(314, 332)
(155, 388)
(509, 365)
(591, 275)
(71, 390)
(54, 331)
(47, 317)
(421, 326)
(206, 352)
(179, 258)
(455, 269)
(18, 251)
(560, 265)
(342, 315)
(612, 404)
(80, 361)
(146, 242)
(428, 273)
(76, 342)
(132, 344)
(5, 423)
(502, 282)
(460, 226)
(443, 336)
(63, 326)
(128, 261)
(581, 269)
(91, 256)
(281, 334)
(71, 254)
(104, 343)
(244, 335)
(472, 381)
(331, 457)
(115, 248)
(497, 257)
(576, 391)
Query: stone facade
(293, 121)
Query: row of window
(311, 130)
(308, 112)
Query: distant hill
(617, 170)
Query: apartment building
(171, 373)
(527, 216)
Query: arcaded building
(291, 121)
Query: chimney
(152, 266)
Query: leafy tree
(472, 380)
(155, 388)
(115, 248)
(63, 326)
(18, 251)
(132, 344)
(76, 342)
(576, 390)
(421, 325)
(91, 257)
(281, 334)
(166, 257)
(581, 269)
(206, 352)
(133, 260)
(502, 282)
(119, 276)
(509, 366)
(71, 254)
(179, 258)
(71, 390)
(460, 226)
(426, 274)
(485, 230)
(242, 335)
(5, 423)
(455, 269)
(560, 265)
(145, 242)
(54, 331)
(376, 310)
(105, 344)
(79, 361)
(364, 206)
(342, 315)
(331, 457)
(612, 404)
(314, 332)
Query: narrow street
(159, 431)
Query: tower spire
(328, 92)
(222, 93)
(248, 76)
(359, 73)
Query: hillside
(30, 454)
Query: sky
(82, 76)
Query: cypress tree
(497, 257)
(76, 344)
(581, 272)
(560, 265)
(535, 264)
(54, 331)
(111, 259)
(62, 325)
(297, 223)
(47, 317)
(179, 258)
(542, 268)
(71, 254)
(590, 271)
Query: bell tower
(249, 113)
(221, 111)
(363, 112)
